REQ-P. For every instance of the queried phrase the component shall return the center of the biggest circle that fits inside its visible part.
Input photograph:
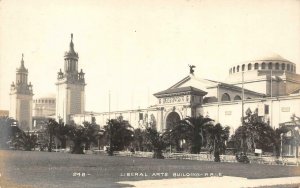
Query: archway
(171, 120)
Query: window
(233, 69)
(230, 71)
(249, 66)
(243, 67)
(256, 66)
(238, 68)
(288, 67)
(277, 66)
(283, 66)
(263, 65)
(270, 65)
(266, 109)
(237, 98)
(225, 97)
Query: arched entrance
(171, 120)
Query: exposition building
(269, 84)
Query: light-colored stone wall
(69, 100)
(229, 113)
(44, 106)
(21, 110)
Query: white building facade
(70, 98)
(269, 84)
(21, 98)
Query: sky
(135, 48)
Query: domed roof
(269, 57)
(41, 95)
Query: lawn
(43, 169)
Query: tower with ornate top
(70, 98)
(21, 98)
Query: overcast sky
(135, 48)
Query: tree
(78, 136)
(61, 131)
(156, 140)
(91, 133)
(7, 131)
(51, 126)
(216, 137)
(118, 134)
(192, 129)
(139, 142)
(254, 133)
(25, 140)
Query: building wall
(229, 113)
(44, 106)
(61, 102)
(140, 118)
(4, 113)
(21, 110)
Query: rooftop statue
(192, 69)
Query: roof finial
(22, 60)
(192, 69)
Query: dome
(270, 61)
(42, 95)
(269, 57)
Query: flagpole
(109, 124)
(243, 96)
(271, 82)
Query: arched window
(238, 68)
(233, 70)
(283, 66)
(263, 65)
(248, 97)
(230, 70)
(225, 97)
(288, 67)
(277, 66)
(249, 66)
(256, 66)
(270, 65)
(243, 67)
(237, 98)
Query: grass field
(43, 169)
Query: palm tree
(139, 142)
(50, 131)
(91, 133)
(118, 134)
(7, 131)
(192, 129)
(156, 140)
(26, 141)
(78, 137)
(216, 137)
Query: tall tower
(70, 87)
(21, 98)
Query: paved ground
(43, 169)
(225, 181)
